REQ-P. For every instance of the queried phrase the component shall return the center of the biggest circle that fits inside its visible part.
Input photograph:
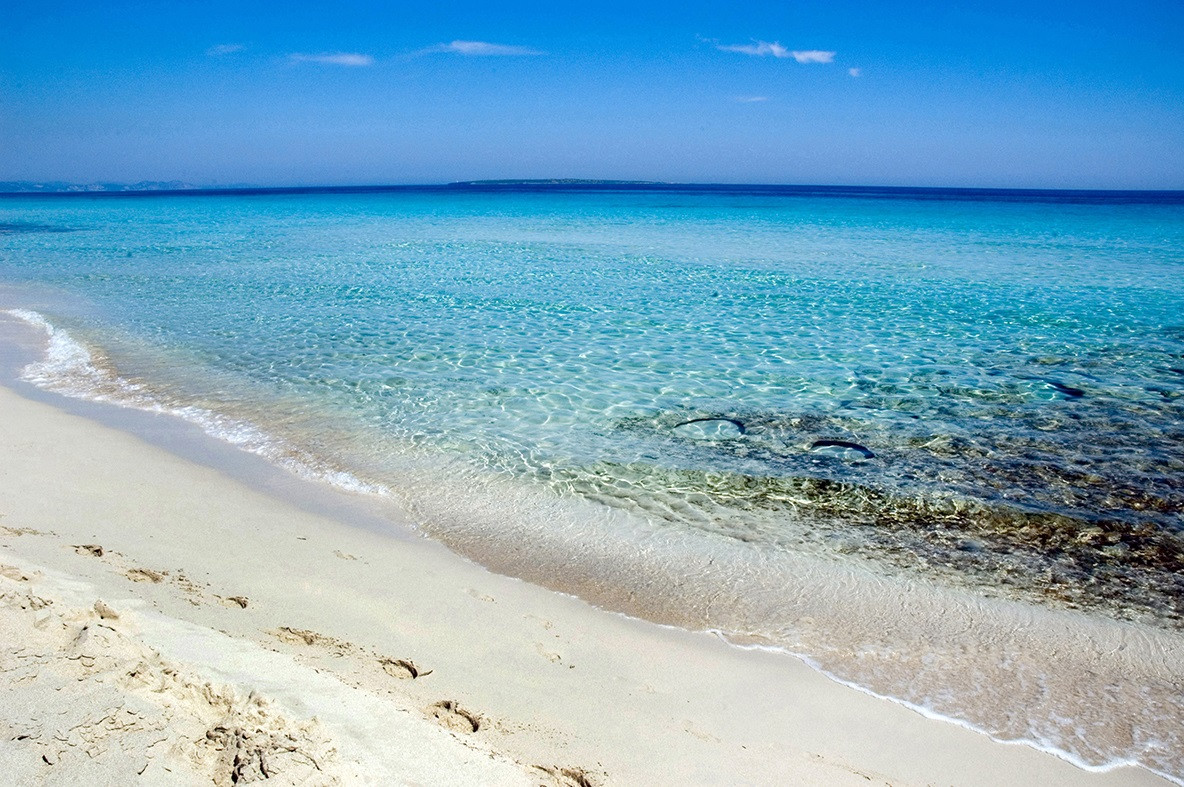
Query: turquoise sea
(774, 413)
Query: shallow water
(657, 398)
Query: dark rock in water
(844, 445)
(710, 428)
(1067, 390)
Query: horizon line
(178, 188)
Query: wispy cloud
(813, 56)
(767, 48)
(855, 72)
(751, 99)
(483, 49)
(756, 49)
(351, 59)
(218, 50)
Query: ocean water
(932, 441)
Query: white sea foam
(71, 369)
(1039, 743)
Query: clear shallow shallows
(780, 415)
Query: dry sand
(159, 617)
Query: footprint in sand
(94, 550)
(104, 611)
(402, 669)
(145, 575)
(294, 636)
(301, 636)
(566, 777)
(452, 716)
(234, 601)
(546, 624)
(21, 531)
(550, 656)
(15, 574)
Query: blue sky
(1024, 94)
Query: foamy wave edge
(1048, 747)
(68, 368)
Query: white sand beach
(160, 618)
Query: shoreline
(547, 669)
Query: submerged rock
(710, 429)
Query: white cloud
(757, 49)
(352, 59)
(483, 49)
(854, 71)
(813, 56)
(766, 48)
(751, 99)
(224, 49)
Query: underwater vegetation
(1081, 523)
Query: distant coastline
(62, 187)
(576, 185)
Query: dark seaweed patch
(1067, 390)
(721, 419)
(1130, 569)
(1107, 458)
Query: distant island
(558, 182)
